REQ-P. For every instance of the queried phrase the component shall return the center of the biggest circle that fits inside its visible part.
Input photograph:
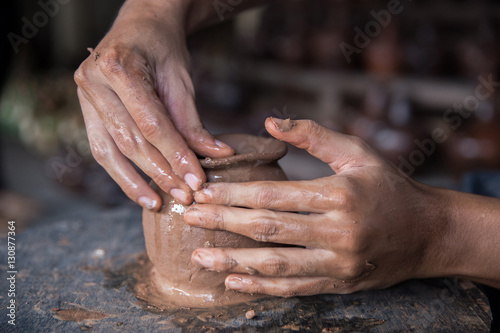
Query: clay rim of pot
(248, 149)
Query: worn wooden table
(75, 275)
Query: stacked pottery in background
(476, 144)
(384, 123)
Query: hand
(137, 99)
(368, 226)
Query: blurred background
(393, 80)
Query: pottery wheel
(76, 274)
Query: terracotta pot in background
(478, 147)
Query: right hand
(137, 100)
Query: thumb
(341, 152)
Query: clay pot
(170, 242)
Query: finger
(287, 287)
(293, 196)
(132, 144)
(340, 151)
(131, 80)
(259, 224)
(112, 160)
(178, 96)
(283, 261)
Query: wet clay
(285, 125)
(77, 314)
(170, 242)
(269, 314)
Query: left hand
(368, 226)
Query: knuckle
(99, 150)
(126, 142)
(218, 220)
(258, 289)
(162, 183)
(345, 198)
(355, 241)
(220, 193)
(228, 263)
(194, 134)
(80, 76)
(347, 195)
(267, 194)
(353, 271)
(130, 190)
(355, 238)
(150, 127)
(264, 229)
(109, 63)
(276, 266)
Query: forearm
(470, 247)
(187, 15)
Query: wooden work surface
(72, 276)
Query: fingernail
(283, 125)
(193, 181)
(276, 121)
(221, 144)
(179, 195)
(234, 284)
(194, 217)
(204, 259)
(147, 202)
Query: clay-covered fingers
(313, 196)
(258, 224)
(341, 152)
(128, 99)
(288, 261)
(110, 157)
(129, 140)
(288, 287)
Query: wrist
(464, 231)
(183, 15)
(444, 245)
(436, 230)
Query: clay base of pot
(195, 298)
(156, 291)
